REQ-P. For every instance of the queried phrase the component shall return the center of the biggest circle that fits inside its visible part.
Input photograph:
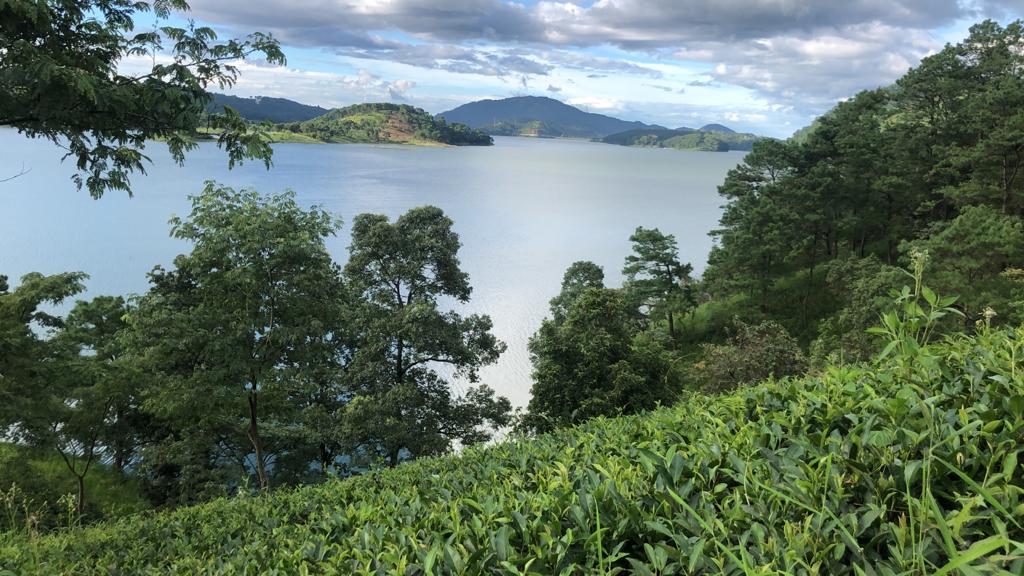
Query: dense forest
(815, 228)
(816, 233)
(839, 393)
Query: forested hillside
(816, 233)
(265, 108)
(814, 227)
(706, 140)
(386, 123)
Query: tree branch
(18, 175)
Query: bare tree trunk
(257, 442)
(80, 505)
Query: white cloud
(789, 56)
(596, 103)
(312, 87)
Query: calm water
(525, 210)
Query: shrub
(752, 354)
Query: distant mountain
(717, 128)
(537, 116)
(685, 139)
(262, 108)
(382, 124)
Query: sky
(763, 66)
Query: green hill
(260, 108)
(910, 466)
(537, 116)
(384, 124)
(711, 138)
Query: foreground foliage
(60, 77)
(253, 362)
(909, 466)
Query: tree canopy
(404, 405)
(63, 77)
(592, 358)
(931, 163)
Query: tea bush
(908, 466)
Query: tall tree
(577, 278)
(55, 397)
(404, 405)
(655, 274)
(94, 334)
(594, 362)
(238, 318)
(60, 77)
(25, 351)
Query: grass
(909, 466)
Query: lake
(525, 210)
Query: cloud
(310, 87)
(1000, 8)
(800, 54)
(349, 23)
(554, 89)
(813, 72)
(661, 87)
(624, 23)
(596, 64)
(596, 103)
(453, 58)
(676, 23)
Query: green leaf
(977, 550)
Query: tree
(94, 333)
(594, 362)
(54, 397)
(969, 254)
(754, 353)
(60, 79)
(403, 405)
(965, 103)
(257, 305)
(863, 286)
(655, 274)
(590, 359)
(25, 350)
(577, 278)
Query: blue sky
(765, 66)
